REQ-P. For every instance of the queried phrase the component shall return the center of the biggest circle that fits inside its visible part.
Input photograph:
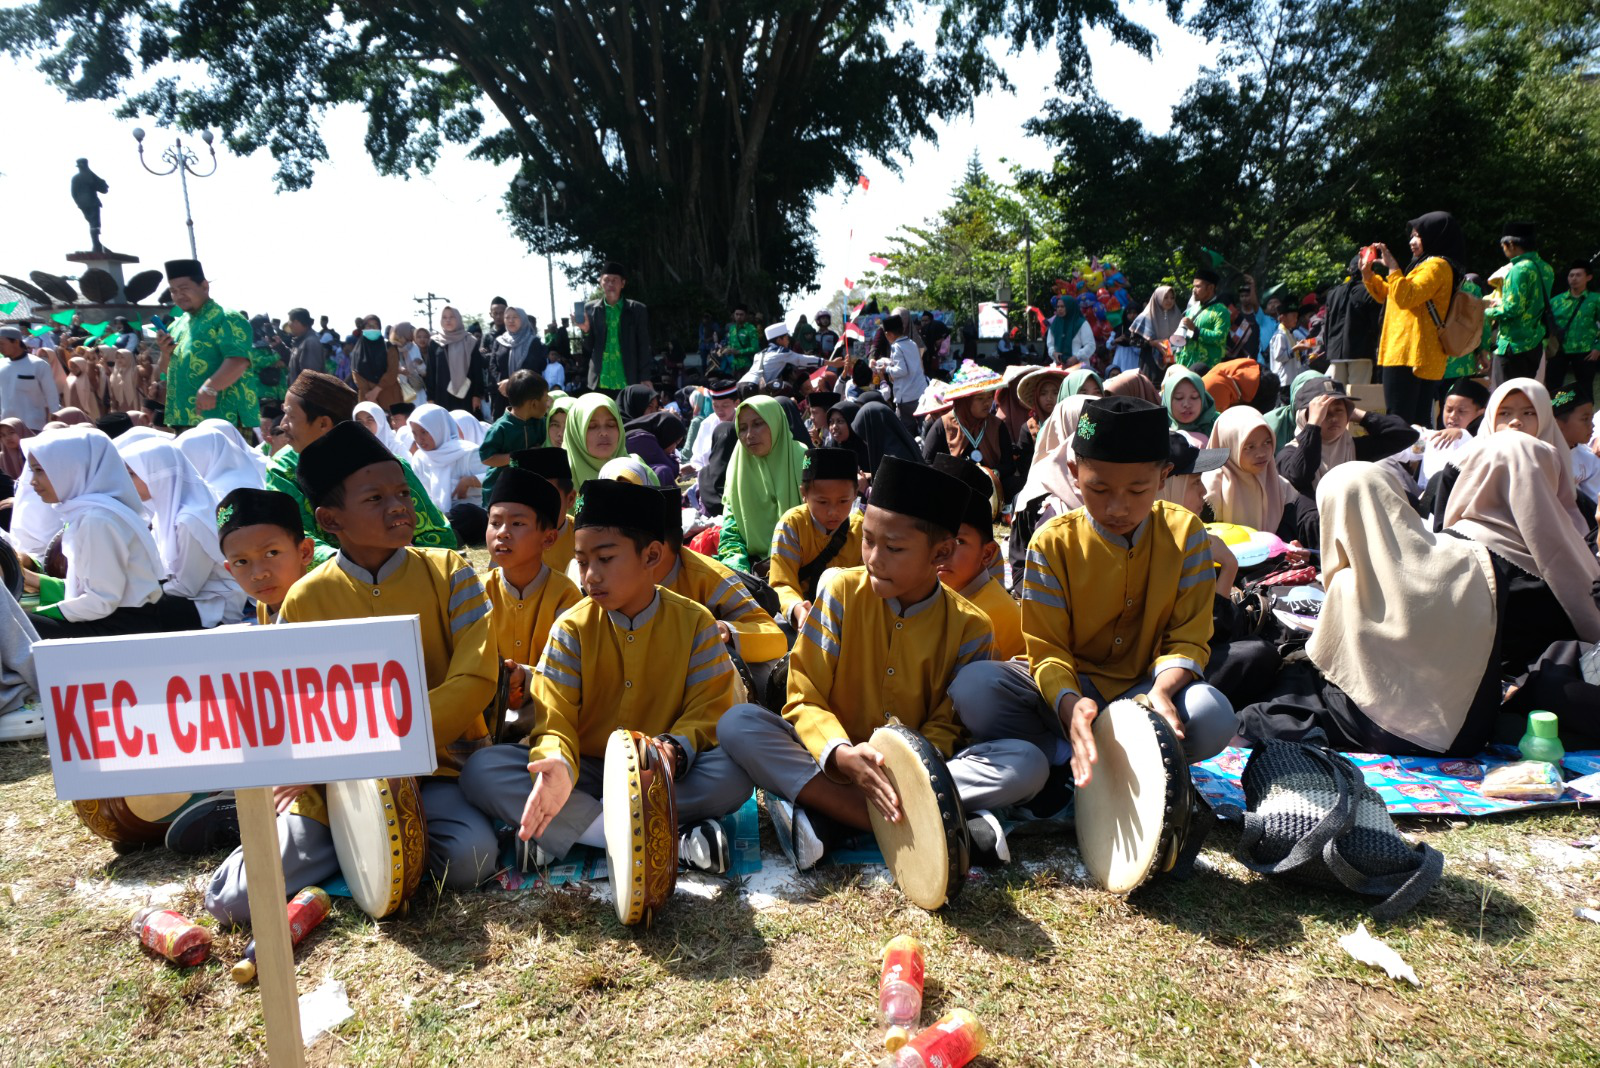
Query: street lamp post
(184, 161)
(549, 261)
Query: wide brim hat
(1028, 388)
(1016, 372)
(933, 399)
(972, 379)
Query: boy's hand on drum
(1080, 732)
(1164, 696)
(863, 765)
(550, 792)
(284, 796)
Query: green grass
(1220, 969)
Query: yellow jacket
(522, 618)
(1409, 337)
(711, 583)
(1003, 612)
(798, 540)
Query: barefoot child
(881, 639)
(628, 655)
(823, 531)
(362, 497)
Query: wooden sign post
(244, 710)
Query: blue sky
(357, 242)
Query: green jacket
(1583, 334)
(1520, 313)
(433, 531)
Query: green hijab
(1281, 420)
(762, 488)
(586, 465)
(1208, 407)
(1073, 384)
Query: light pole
(549, 261)
(180, 159)
(428, 302)
(1027, 276)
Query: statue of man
(86, 189)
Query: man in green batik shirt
(743, 341)
(1577, 315)
(1519, 308)
(1208, 323)
(619, 335)
(208, 356)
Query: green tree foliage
(1326, 124)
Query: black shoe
(705, 847)
(207, 826)
(988, 839)
(1051, 801)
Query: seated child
(552, 465)
(1116, 602)
(1574, 415)
(264, 547)
(823, 531)
(628, 655)
(448, 465)
(883, 640)
(526, 594)
(970, 571)
(361, 496)
(520, 427)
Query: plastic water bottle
(307, 909)
(173, 936)
(954, 1041)
(900, 988)
(1543, 739)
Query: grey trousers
(997, 699)
(497, 781)
(462, 852)
(989, 774)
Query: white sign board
(236, 707)
(992, 320)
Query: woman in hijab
(12, 433)
(376, 366)
(555, 421)
(1069, 337)
(796, 419)
(1510, 499)
(113, 583)
(185, 529)
(763, 484)
(593, 435)
(840, 436)
(637, 400)
(455, 374)
(471, 427)
(1050, 489)
(882, 434)
(220, 456)
(1133, 384)
(712, 481)
(1248, 490)
(1189, 406)
(1406, 646)
(655, 438)
(450, 470)
(1159, 320)
(373, 418)
(513, 346)
(1281, 419)
(1323, 416)
(1410, 356)
(82, 392)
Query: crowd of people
(760, 556)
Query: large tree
(692, 135)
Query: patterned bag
(1313, 818)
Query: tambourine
(381, 837)
(641, 823)
(1135, 815)
(132, 820)
(928, 851)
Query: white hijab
(471, 427)
(218, 452)
(384, 432)
(184, 507)
(450, 460)
(90, 480)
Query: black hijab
(372, 357)
(1441, 236)
(634, 400)
(883, 434)
(797, 422)
(848, 410)
(665, 427)
(713, 477)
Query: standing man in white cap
(777, 357)
(27, 385)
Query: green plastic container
(1542, 741)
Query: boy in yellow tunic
(555, 468)
(883, 640)
(628, 655)
(970, 569)
(527, 595)
(361, 495)
(1116, 602)
(823, 531)
(264, 546)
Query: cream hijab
(1236, 495)
(1549, 433)
(1049, 475)
(1409, 617)
(1509, 499)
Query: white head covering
(1549, 433)
(185, 508)
(451, 459)
(384, 433)
(471, 427)
(218, 452)
(1408, 623)
(34, 524)
(90, 479)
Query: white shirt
(769, 363)
(1586, 470)
(555, 375)
(701, 452)
(904, 368)
(28, 391)
(1285, 362)
(106, 576)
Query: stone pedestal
(111, 263)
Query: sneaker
(795, 834)
(705, 847)
(24, 724)
(209, 825)
(1052, 801)
(988, 839)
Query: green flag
(39, 331)
(98, 329)
(64, 318)
(1213, 255)
(9, 306)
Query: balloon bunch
(1101, 291)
